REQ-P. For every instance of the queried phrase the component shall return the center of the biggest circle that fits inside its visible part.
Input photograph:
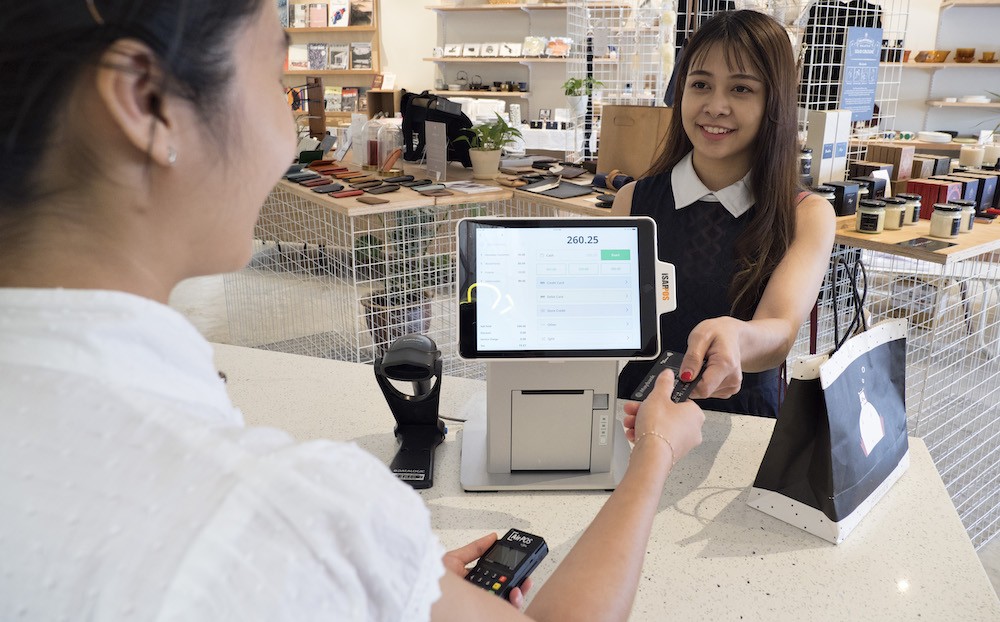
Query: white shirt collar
(116, 338)
(688, 189)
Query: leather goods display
(384, 188)
(328, 188)
(418, 108)
(440, 192)
(398, 179)
(301, 176)
(631, 137)
(426, 187)
(321, 163)
(350, 175)
(370, 200)
(319, 181)
(347, 193)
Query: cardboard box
(845, 197)
(828, 136)
(876, 185)
(942, 163)
(933, 191)
(970, 186)
(987, 195)
(863, 168)
(899, 156)
(923, 167)
(898, 186)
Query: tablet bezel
(647, 288)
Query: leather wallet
(295, 168)
(328, 188)
(370, 200)
(301, 176)
(427, 187)
(365, 185)
(383, 189)
(606, 197)
(319, 181)
(419, 182)
(364, 178)
(391, 159)
(343, 194)
(398, 179)
(440, 192)
(319, 163)
(350, 175)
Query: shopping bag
(840, 440)
(631, 137)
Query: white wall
(408, 33)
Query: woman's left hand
(716, 342)
(457, 560)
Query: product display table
(951, 300)
(711, 557)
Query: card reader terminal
(507, 563)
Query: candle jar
(827, 192)
(991, 154)
(968, 213)
(805, 161)
(946, 220)
(871, 216)
(972, 155)
(912, 216)
(390, 148)
(895, 212)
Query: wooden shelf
(294, 31)
(937, 103)
(496, 7)
(483, 93)
(524, 60)
(946, 65)
(331, 72)
(947, 4)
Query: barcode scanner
(415, 359)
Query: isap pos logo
(664, 286)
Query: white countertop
(711, 556)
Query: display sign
(860, 77)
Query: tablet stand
(547, 425)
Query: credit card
(668, 360)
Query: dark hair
(46, 44)
(751, 38)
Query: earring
(171, 156)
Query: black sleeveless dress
(699, 240)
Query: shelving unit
(360, 78)
(963, 23)
(503, 23)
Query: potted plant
(577, 90)
(406, 268)
(485, 142)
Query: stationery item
(347, 193)
(370, 200)
(328, 188)
(384, 188)
(840, 441)
(361, 55)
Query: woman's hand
(680, 423)
(716, 342)
(457, 560)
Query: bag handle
(858, 323)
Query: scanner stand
(547, 425)
(413, 358)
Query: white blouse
(131, 490)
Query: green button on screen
(615, 255)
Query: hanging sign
(860, 78)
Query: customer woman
(140, 138)
(749, 248)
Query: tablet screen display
(557, 288)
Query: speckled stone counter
(711, 557)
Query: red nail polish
(687, 376)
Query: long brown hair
(754, 39)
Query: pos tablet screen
(557, 288)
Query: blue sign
(860, 77)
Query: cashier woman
(139, 140)
(750, 249)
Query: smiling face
(722, 109)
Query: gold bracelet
(673, 454)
